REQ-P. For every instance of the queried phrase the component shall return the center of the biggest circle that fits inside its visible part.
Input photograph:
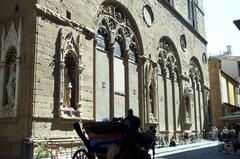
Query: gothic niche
(152, 118)
(71, 68)
(70, 80)
(151, 95)
(187, 100)
(9, 66)
(9, 80)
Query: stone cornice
(53, 16)
(58, 18)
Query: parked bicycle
(53, 151)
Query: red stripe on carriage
(113, 135)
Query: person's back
(132, 121)
(132, 134)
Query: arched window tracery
(120, 63)
(169, 64)
(196, 83)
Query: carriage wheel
(80, 154)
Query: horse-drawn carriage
(104, 139)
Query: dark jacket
(132, 122)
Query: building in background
(67, 61)
(224, 84)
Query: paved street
(202, 153)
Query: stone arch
(196, 85)
(106, 8)
(67, 74)
(194, 62)
(169, 51)
(122, 33)
(169, 65)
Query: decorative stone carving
(112, 20)
(195, 74)
(70, 69)
(11, 84)
(9, 70)
(166, 59)
(48, 13)
(151, 83)
(187, 104)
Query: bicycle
(53, 151)
(43, 151)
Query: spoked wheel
(80, 154)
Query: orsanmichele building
(66, 61)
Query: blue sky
(220, 29)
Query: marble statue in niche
(9, 81)
(11, 84)
(187, 103)
(67, 89)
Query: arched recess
(68, 67)
(169, 85)
(9, 70)
(117, 61)
(151, 107)
(196, 84)
(194, 63)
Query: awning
(235, 116)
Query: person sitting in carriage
(132, 123)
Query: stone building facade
(224, 91)
(66, 61)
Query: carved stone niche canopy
(70, 69)
(9, 69)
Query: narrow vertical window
(133, 54)
(102, 42)
(191, 13)
(118, 50)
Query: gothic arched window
(102, 40)
(133, 53)
(112, 70)
(168, 83)
(118, 49)
(196, 80)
